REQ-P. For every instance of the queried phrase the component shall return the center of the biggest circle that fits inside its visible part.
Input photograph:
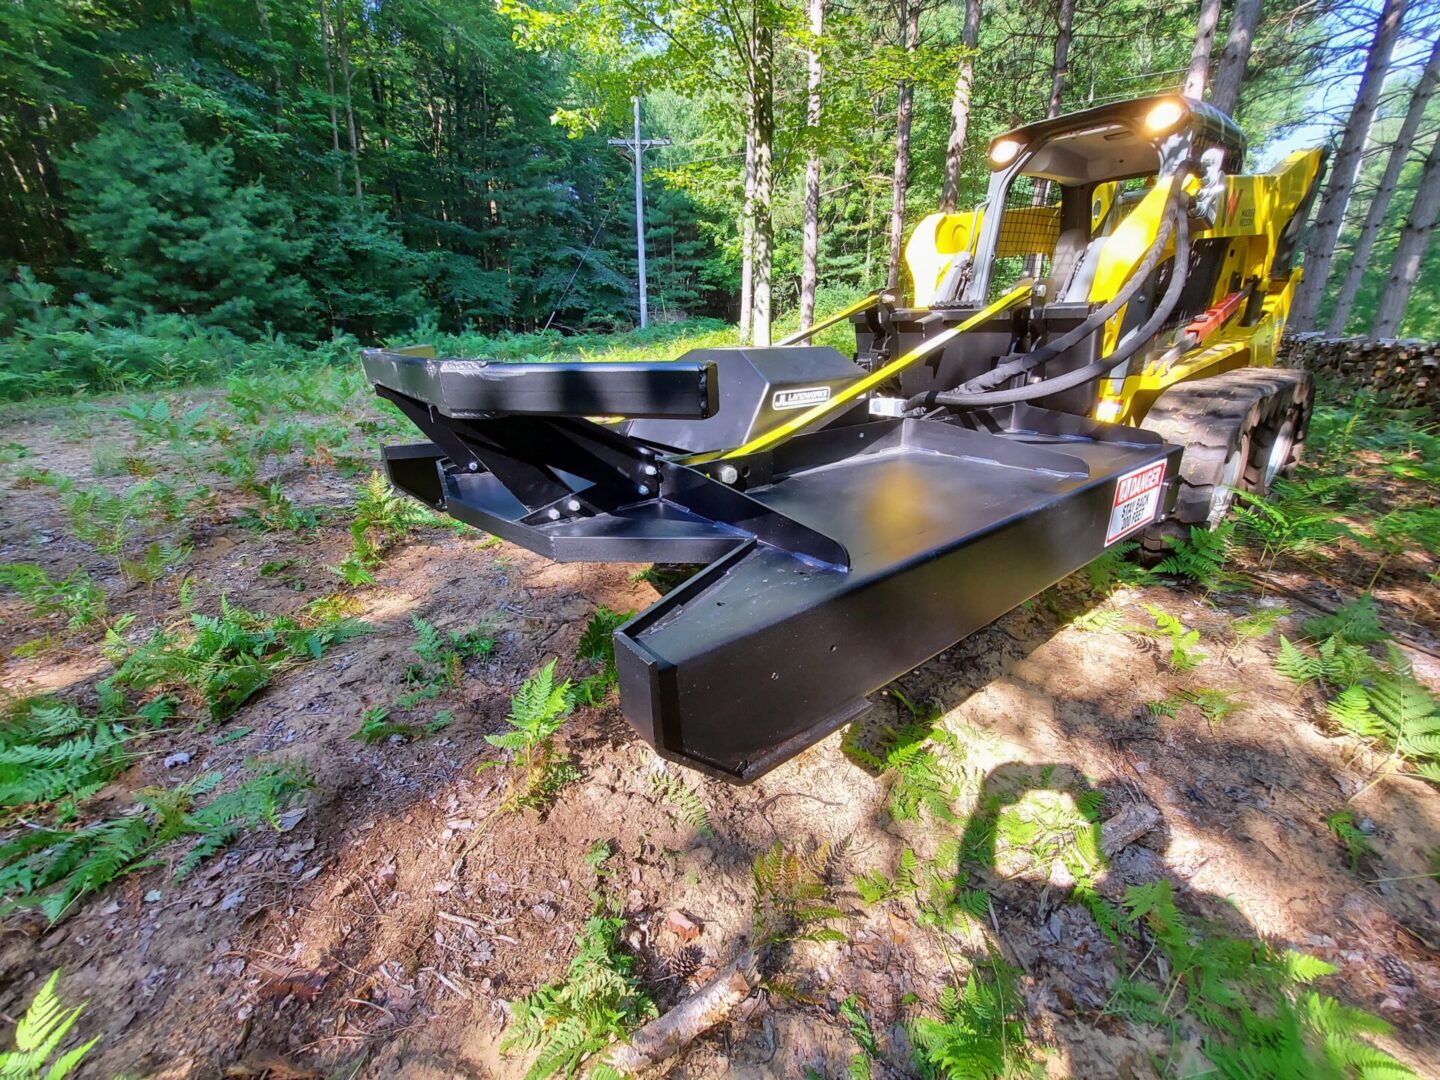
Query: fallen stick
(666, 1036)
(1127, 826)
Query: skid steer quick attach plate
(838, 561)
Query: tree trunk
(900, 182)
(764, 175)
(1389, 181)
(960, 108)
(810, 255)
(1346, 166)
(747, 229)
(1199, 73)
(1230, 72)
(325, 42)
(1410, 251)
(1060, 66)
(343, 48)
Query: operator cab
(1069, 209)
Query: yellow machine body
(1253, 213)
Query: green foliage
(170, 229)
(376, 726)
(1259, 623)
(157, 420)
(1250, 1000)
(1202, 556)
(598, 1001)
(790, 896)
(1357, 843)
(76, 596)
(50, 750)
(864, 1035)
(1185, 654)
(684, 799)
(39, 1033)
(227, 658)
(1355, 623)
(537, 710)
(278, 513)
(980, 1030)
(1334, 662)
(155, 561)
(597, 645)
(1114, 568)
(1299, 520)
(52, 869)
(442, 657)
(922, 761)
(382, 518)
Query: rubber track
(1210, 417)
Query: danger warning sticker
(1137, 497)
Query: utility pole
(638, 146)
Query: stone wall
(1408, 372)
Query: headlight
(1164, 116)
(1005, 151)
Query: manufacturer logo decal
(799, 399)
(1137, 497)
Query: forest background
(185, 181)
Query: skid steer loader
(1088, 359)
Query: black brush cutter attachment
(839, 557)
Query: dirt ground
(381, 934)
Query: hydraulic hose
(977, 391)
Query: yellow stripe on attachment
(863, 304)
(851, 392)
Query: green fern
(50, 750)
(76, 596)
(1355, 623)
(980, 1031)
(684, 799)
(1260, 623)
(537, 711)
(864, 1035)
(1184, 652)
(53, 869)
(1298, 519)
(922, 761)
(790, 893)
(1202, 556)
(1256, 1018)
(38, 1035)
(1113, 568)
(599, 1001)
(597, 645)
(227, 659)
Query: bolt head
(650, 470)
(727, 474)
(553, 514)
(643, 489)
(573, 505)
(474, 466)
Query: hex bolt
(650, 470)
(474, 466)
(553, 514)
(573, 505)
(643, 490)
(727, 474)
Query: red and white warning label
(1137, 497)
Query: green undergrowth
(223, 660)
(438, 668)
(39, 1033)
(537, 770)
(52, 869)
(52, 750)
(600, 999)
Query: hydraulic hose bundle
(977, 393)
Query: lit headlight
(1164, 116)
(1005, 151)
